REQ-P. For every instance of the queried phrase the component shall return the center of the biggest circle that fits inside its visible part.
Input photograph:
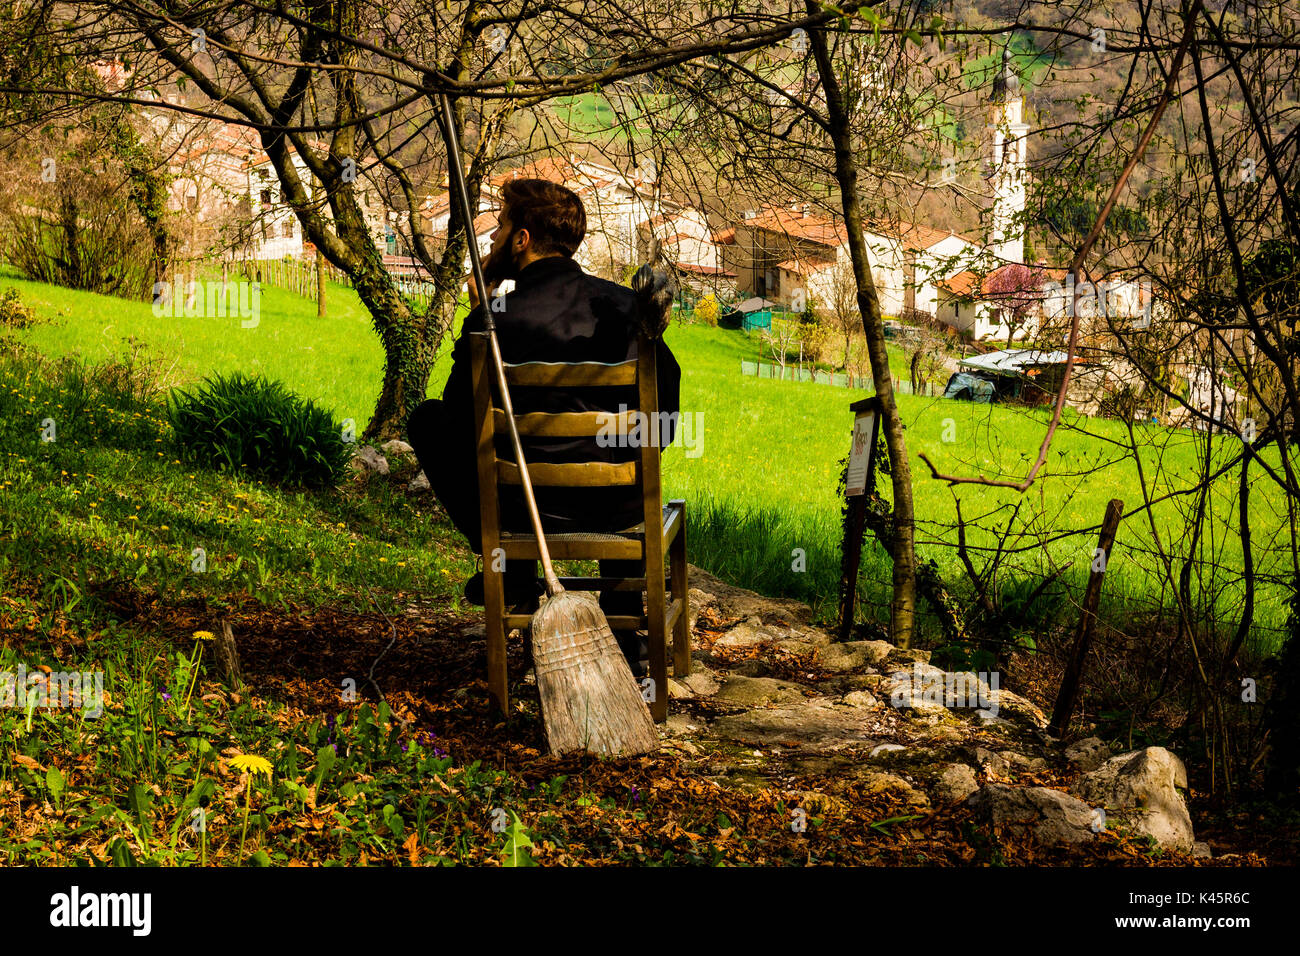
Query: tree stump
(228, 656)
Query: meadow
(761, 479)
(101, 572)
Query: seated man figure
(556, 313)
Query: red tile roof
(809, 226)
(704, 270)
(965, 284)
(913, 235)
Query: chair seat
(636, 531)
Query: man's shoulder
(603, 287)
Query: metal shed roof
(1013, 360)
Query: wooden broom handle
(553, 586)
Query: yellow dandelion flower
(252, 764)
(203, 635)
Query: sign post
(859, 484)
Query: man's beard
(503, 264)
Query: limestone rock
(395, 446)
(860, 698)
(1050, 816)
(740, 691)
(418, 483)
(809, 635)
(700, 682)
(812, 726)
(369, 459)
(797, 647)
(746, 635)
(1088, 754)
(1140, 790)
(678, 725)
(1011, 705)
(886, 749)
(956, 782)
(849, 656)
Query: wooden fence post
(228, 655)
(857, 517)
(1069, 692)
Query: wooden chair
(666, 603)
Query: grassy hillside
(761, 479)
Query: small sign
(860, 453)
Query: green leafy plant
(518, 843)
(251, 423)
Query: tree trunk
(320, 286)
(903, 604)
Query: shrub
(260, 426)
(13, 314)
(707, 310)
(815, 338)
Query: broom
(590, 700)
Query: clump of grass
(247, 422)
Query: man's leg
(446, 453)
(633, 643)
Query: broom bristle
(590, 700)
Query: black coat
(558, 313)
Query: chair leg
(494, 600)
(681, 591)
(655, 625)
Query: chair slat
(570, 374)
(566, 424)
(587, 474)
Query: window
(286, 229)
(266, 197)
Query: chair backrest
(640, 427)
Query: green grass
(106, 513)
(769, 459)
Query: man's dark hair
(553, 215)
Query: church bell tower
(1010, 162)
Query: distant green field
(768, 448)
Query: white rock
(860, 698)
(395, 446)
(885, 748)
(1051, 816)
(956, 782)
(1140, 790)
(419, 483)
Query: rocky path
(771, 700)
